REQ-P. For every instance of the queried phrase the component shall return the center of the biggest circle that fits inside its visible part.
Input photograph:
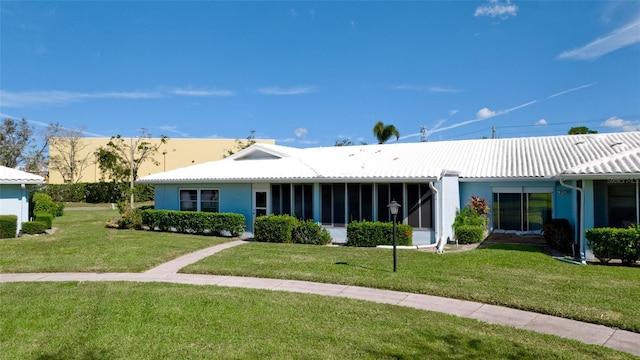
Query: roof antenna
(423, 133)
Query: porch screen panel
(308, 201)
(622, 204)
(276, 200)
(327, 204)
(366, 191)
(297, 201)
(339, 205)
(538, 210)
(413, 204)
(286, 199)
(353, 202)
(383, 201)
(426, 206)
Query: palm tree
(385, 132)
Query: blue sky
(310, 73)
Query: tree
(347, 142)
(15, 137)
(578, 130)
(67, 146)
(121, 158)
(242, 144)
(384, 132)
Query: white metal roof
(515, 158)
(622, 165)
(14, 176)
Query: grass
(83, 244)
(520, 277)
(170, 321)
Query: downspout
(24, 196)
(438, 225)
(583, 259)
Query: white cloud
(541, 122)
(453, 112)
(411, 87)
(443, 89)
(293, 12)
(275, 90)
(300, 132)
(190, 92)
(621, 124)
(286, 140)
(497, 8)
(623, 36)
(28, 98)
(485, 113)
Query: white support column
(450, 200)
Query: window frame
(199, 200)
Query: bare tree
(65, 152)
(242, 144)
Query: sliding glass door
(521, 208)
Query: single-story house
(14, 193)
(591, 180)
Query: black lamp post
(394, 207)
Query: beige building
(176, 153)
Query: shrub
(274, 228)
(192, 222)
(34, 227)
(308, 232)
(469, 234)
(371, 234)
(8, 226)
(45, 218)
(130, 219)
(558, 234)
(614, 243)
(43, 203)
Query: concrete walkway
(585, 332)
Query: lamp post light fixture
(394, 207)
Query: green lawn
(515, 276)
(170, 321)
(82, 244)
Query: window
(206, 200)
(419, 206)
(622, 203)
(521, 208)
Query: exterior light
(394, 207)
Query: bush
(614, 243)
(43, 203)
(8, 226)
(469, 234)
(192, 222)
(45, 218)
(558, 234)
(100, 192)
(308, 232)
(371, 234)
(274, 228)
(34, 227)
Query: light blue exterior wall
(14, 200)
(235, 198)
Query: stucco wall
(14, 201)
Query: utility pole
(423, 133)
(493, 132)
(131, 173)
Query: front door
(260, 201)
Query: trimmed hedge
(469, 234)
(371, 234)
(274, 228)
(99, 192)
(288, 229)
(33, 227)
(614, 243)
(8, 226)
(45, 218)
(558, 234)
(193, 222)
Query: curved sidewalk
(585, 332)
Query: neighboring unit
(591, 180)
(14, 193)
